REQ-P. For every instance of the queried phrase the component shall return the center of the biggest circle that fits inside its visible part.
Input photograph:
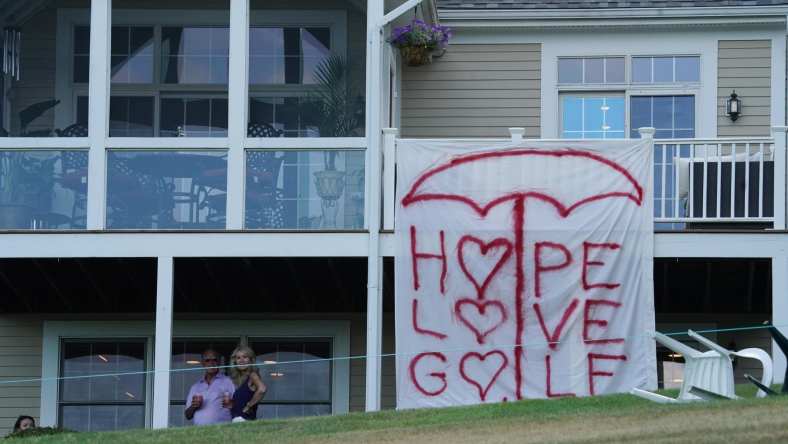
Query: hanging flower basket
(418, 40)
(416, 55)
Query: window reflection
(166, 189)
(295, 387)
(304, 190)
(132, 54)
(43, 189)
(196, 55)
(102, 402)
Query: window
(195, 55)
(286, 55)
(683, 69)
(295, 387)
(592, 116)
(187, 369)
(132, 54)
(598, 99)
(672, 116)
(591, 70)
(105, 402)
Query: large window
(89, 401)
(595, 93)
(297, 373)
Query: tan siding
(358, 366)
(745, 65)
(474, 91)
(20, 358)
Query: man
(210, 398)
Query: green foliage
(38, 431)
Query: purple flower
(420, 34)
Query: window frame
(147, 384)
(621, 94)
(67, 91)
(53, 331)
(629, 89)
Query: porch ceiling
(202, 285)
(16, 12)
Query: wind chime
(12, 45)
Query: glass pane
(193, 116)
(595, 70)
(131, 116)
(640, 114)
(593, 114)
(43, 189)
(96, 418)
(614, 70)
(43, 72)
(286, 374)
(614, 117)
(304, 190)
(283, 58)
(102, 358)
(570, 70)
(663, 69)
(687, 69)
(132, 54)
(166, 189)
(684, 113)
(663, 112)
(641, 69)
(195, 55)
(572, 113)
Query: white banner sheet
(523, 270)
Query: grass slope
(603, 419)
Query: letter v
(552, 339)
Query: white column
(779, 311)
(374, 262)
(98, 104)
(163, 344)
(780, 171)
(238, 92)
(389, 179)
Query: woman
(249, 386)
(23, 423)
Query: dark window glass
(287, 55)
(295, 387)
(81, 53)
(132, 54)
(672, 116)
(131, 116)
(194, 117)
(96, 403)
(195, 55)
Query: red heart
(481, 308)
(481, 358)
(484, 247)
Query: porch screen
(523, 270)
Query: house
(177, 175)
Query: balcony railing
(698, 183)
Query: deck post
(779, 135)
(163, 343)
(779, 311)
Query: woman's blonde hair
(237, 374)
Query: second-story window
(599, 98)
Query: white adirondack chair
(710, 371)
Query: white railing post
(238, 103)
(163, 346)
(779, 135)
(98, 117)
(517, 134)
(389, 179)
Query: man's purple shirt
(211, 411)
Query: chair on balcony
(707, 375)
(135, 200)
(264, 207)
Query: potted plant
(339, 112)
(26, 185)
(418, 40)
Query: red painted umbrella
(521, 174)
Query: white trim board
(54, 331)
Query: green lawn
(604, 419)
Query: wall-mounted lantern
(733, 106)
